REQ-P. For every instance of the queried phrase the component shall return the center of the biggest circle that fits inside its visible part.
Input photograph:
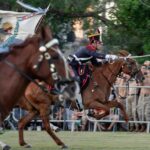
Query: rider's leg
(77, 78)
(74, 66)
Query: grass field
(81, 140)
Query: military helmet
(94, 37)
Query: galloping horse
(96, 95)
(26, 62)
(37, 102)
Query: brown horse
(96, 95)
(37, 102)
(26, 62)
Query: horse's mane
(28, 40)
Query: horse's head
(131, 67)
(50, 65)
(41, 59)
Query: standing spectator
(144, 99)
(129, 98)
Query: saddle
(84, 72)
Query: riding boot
(76, 75)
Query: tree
(128, 27)
(133, 26)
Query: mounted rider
(88, 53)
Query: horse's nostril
(143, 79)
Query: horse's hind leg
(22, 123)
(45, 120)
(117, 104)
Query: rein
(112, 74)
(127, 84)
(44, 55)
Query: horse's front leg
(2, 144)
(45, 119)
(22, 123)
(115, 103)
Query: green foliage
(130, 30)
(134, 26)
(81, 140)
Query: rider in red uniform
(88, 53)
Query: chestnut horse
(26, 62)
(96, 95)
(37, 102)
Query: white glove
(111, 57)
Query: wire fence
(94, 121)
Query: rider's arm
(96, 54)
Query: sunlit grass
(81, 140)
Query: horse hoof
(27, 146)
(64, 147)
(1, 130)
(58, 130)
(6, 147)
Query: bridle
(44, 55)
(129, 66)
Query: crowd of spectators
(135, 100)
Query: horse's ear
(46, 33)
(123, 53)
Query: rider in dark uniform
(88, 53)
